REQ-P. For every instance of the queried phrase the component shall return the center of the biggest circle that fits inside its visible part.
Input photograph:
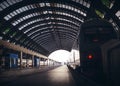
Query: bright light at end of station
(60, 55)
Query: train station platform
(59, 76)
(46, 76)
(7, 76)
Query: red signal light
(90, 56)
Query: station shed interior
(30, 30)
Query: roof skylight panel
(88, 5)
(83, 2)
(57, 4)
(116, 27)
(25, 8)
(66, 7)
(21, 10)
(32, 6)
(31, 22)
(35, 36)
(29, 7)
(118, 14)
(24, 18)
(18, 12)
(6, 18)
(33, 32)
(45, 12)
(67, 21)
(1, 8)
(8, 3)
(12, 14)
(2, 5)
(15, 13)
(9, 16)
(65, 24)
(45, 31)
(35, 14)
(48, 4)
(63, 6)
(13, 1)
(60, 5)
(34, 27)
(37, 30)
(71, 8)
(42, 4)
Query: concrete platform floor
(59, 76)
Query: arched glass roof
(48, 25)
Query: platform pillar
(21, 57)
(32, 60)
